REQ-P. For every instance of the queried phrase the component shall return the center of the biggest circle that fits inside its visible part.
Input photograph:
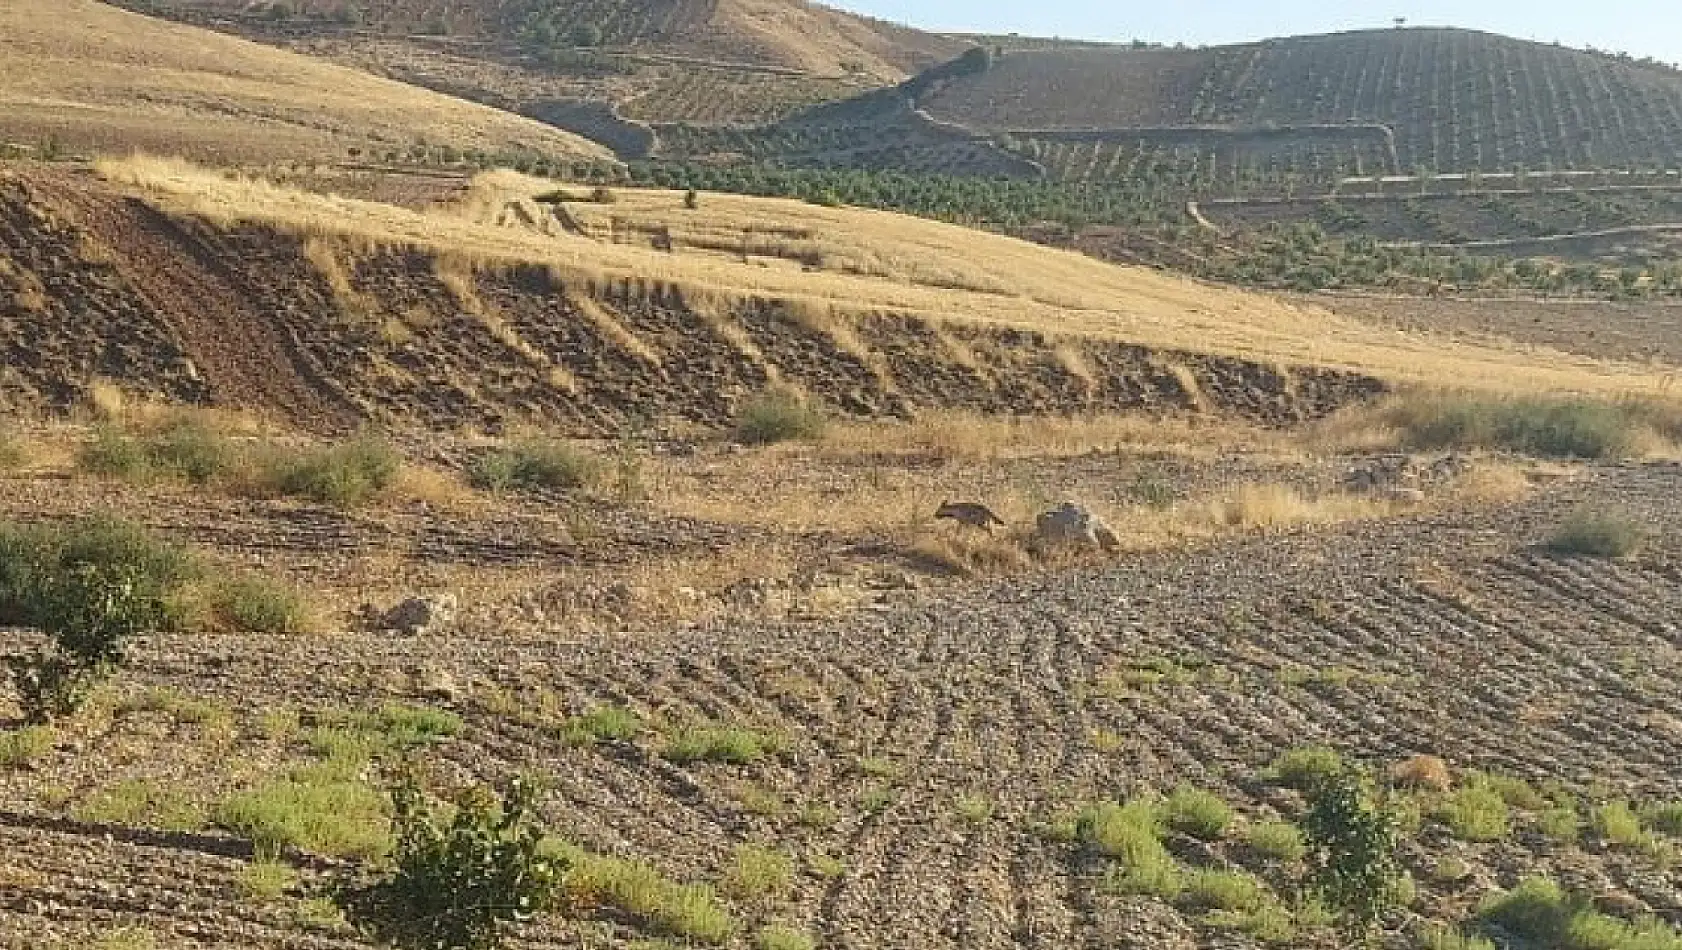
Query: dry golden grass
(102, 79)
(875, 262)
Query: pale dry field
(836, 263)
(98, 78)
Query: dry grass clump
(1598, 532)
(536, 463)
(779, 415)
(13, 454)
(1427, 772)
(1538, 426)
(956, 435)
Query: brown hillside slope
(497, 311)
(98, 78)
(1457, 100)
(788, 34)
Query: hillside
(92, 77)
(1452, 100)
(782, 34)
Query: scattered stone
(1072, 524)
(421, 614)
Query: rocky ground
(1447, 633)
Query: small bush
(602, 724)
(259, 605)
(1353, 844)
(23, 747)
(1306, 767)
(345, 475)
(1537, 909)
(1277, 840)
(141, 803)
(757, 872)
(1598, 533)
(114, 455)
(974, 809)
(1197, 813)
(458, 882)
(1561, 823)
(709, 743)
(536, 463)
(1476, 814)
(185, 449)
(779, 937)
(1664, 817)
(778, 416)
(1270, 923)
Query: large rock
(1072, 524)
(422, 614)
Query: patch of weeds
(877, 768)
(1223, 890)
(12, 453)
(267, 879)
(1277, 841)
(826, 866)
(780, 937)
(1198, 813)
(1450, 870)
(701, 742)
(1537, 909)
(319, 812)
(179, 707)
(133, 937)
(140, 803)
(1561, 822)
(778, 415)
(1513, 790)
(1537, 426)
(320, 913)
(1269, 923)
(1305, 767)
(689, 911)
(279, 725)
(1150, 672)
(1476, 813)
(756, 799)
(1597, 532)
(1448, 938)
(1130, 834)
(973, 809)
(253, 604)
(876, 799)
(393, 726)
(20, 748)
(1664, 817)
(757, 872)
(816, 815)
(535, 464)
(601, 724)
(1616, 823)
(345, 475)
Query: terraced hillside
(89, 77)
(1455, 100)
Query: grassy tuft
(1607, 533)
(1476, 813)
(973, 808)
(1197, 813)
(1537, 426)
(778, 416)
(601, 724)
(1131, 835)
(1269, 923)
(316, 812)
(1277, 841)
(1616, 823)
(779, 937)
(266, 879)
(253, 604)
(703, 742)
(141, 803)
(345, 475)
(757, 872)
(1224, 890)
(534, 464)
(1536, 909)
(688, 911)
(1445, 938)
(1305, 767)
(23, 747)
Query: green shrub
(251, 604)
(1538, 426)
(974, 809)
(458, 882)
(112, 454)
(1476, 813)
(778, 416)
(391, 727)
(1664, 817)
(1224, 890)
(713, 743)
(1540, 912)
(1270, 923)
(1447, 938)
(1353, 844)
(602, 724)
(1305, 767)
(184, 449)
(536, 463)
(344, 475)
(779, 937)
(758, 872)
(22, 747)
(1560, 823)
(1197, 813)
(1607, 533)
(1277, 840)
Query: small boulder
(422, 614)
(1072, 524)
